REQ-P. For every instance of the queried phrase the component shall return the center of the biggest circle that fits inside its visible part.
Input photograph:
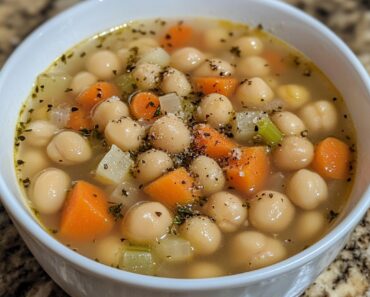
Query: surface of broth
(53, 90)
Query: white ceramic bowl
(80, 276)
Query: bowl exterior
(80, 276)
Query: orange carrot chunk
(145, 105)
(85, 214)
(95, 94)
(248, 172)
(331, 159)
(79, 119)
(275, 61)
(212, 143)
(177, 36)
(221, 85)
(175, 187)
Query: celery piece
(269, 132)
(126, 83)
(137, 259)
(173, 249)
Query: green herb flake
(115, 211)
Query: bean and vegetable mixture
(185, 148)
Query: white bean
(215, 39)
(254, 93)
(104, 64)
(69, 148)
(175, 81)
(320, 117)
(170, 134)
(252, 66)
(147, 76)
(151, 165)
(109, 110)
(214, 67)
(293, 153)
(309, 226)
(49, 190)
(215, 109)
(227, 210)
(39, 133)
(34, 160)
(271, 211)
(125, 133)
(248, 45)
(208, 174)
(288, 123)
(146, 222)
(81, 81)
(273, 253)
(294, 95)
(108, 250)
(186, 59)
(204, 270)
(307, 189)
(203, 234)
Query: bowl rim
(82, 263)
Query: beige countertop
(347, 276)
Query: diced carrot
(96, 93)
(275, 61)
(177, 36)
(145, 105)
(79, 119)
(175, 187)
(85, 214)
(331, 159)
(248, 172)
(212, 143)
(221, 85)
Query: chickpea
(156, 56)
(151, 165)
(243, 246)
(108, 250)
(123, 55)
(104, 64)
(319, 117)
(34, 160)
(294, 153)
(208, 174)
(125, 133)
(175, 81)
(49, 190)
(309, 226)
(227, 210)
(252, 66)
(186, 59)
(147, 76)
(288, 123)
(273, 253)
(204, 270)
(203, 234)
(39, 133)
(81, 81)
(271, 211)
(214, 67)
(170, 134)
(143, 44)
(248, 46)
(146, 222)
(293, 95)
(215, 109)
(254, 93)
(110, 109)
(307, 189)
(69, 148)
(215, 39)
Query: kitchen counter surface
(347, 276)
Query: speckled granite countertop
(347, 276)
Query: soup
(185, 148)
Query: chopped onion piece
(245, 123)
(170, 103)
(173, 249)
(137, 259)
(59, 115)
(126, 193)
(114, 167)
